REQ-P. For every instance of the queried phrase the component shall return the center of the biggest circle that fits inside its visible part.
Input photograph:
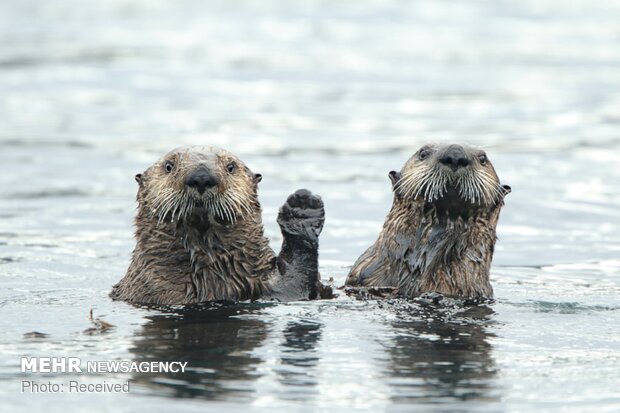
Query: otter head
(198, 181)
(455, 180)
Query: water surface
(328, 96)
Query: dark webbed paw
(301, 219)
(302, 216)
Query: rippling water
(328, 96)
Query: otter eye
(424, 153)
(483, 159)
(169, 166)
(231, 167)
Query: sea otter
(199, 235)
(440, 233)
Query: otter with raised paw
(199, 236)
(440, 233)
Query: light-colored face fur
(166, 191)
(425, 177)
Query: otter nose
(201, 180)
(455, 157)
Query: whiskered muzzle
(432, 182)
(170, 204)
(175, 205)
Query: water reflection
(217, 344)
(299, 359)
(441, 355)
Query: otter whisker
(413, 183)
(156, 203)
(469, 190)
(190, 207)
(169, 207)
(480, 191)
(179, 208)
(493, 188)
(186, 206)
(174, 208)
(435, 189)
(429, 184)
(215, 207)
(465, 187)
(483, 186)
(226, 215)
(486, 188)
(236, 206)
(241, 203)
(162, 206)
(440, 186)
(231, 211)
(223, 204)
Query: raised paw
(302, 215)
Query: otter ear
(138, 179)
(394, 177)
(507, 189)
(257, 178)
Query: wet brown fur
(189, 250)
(429, 246)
